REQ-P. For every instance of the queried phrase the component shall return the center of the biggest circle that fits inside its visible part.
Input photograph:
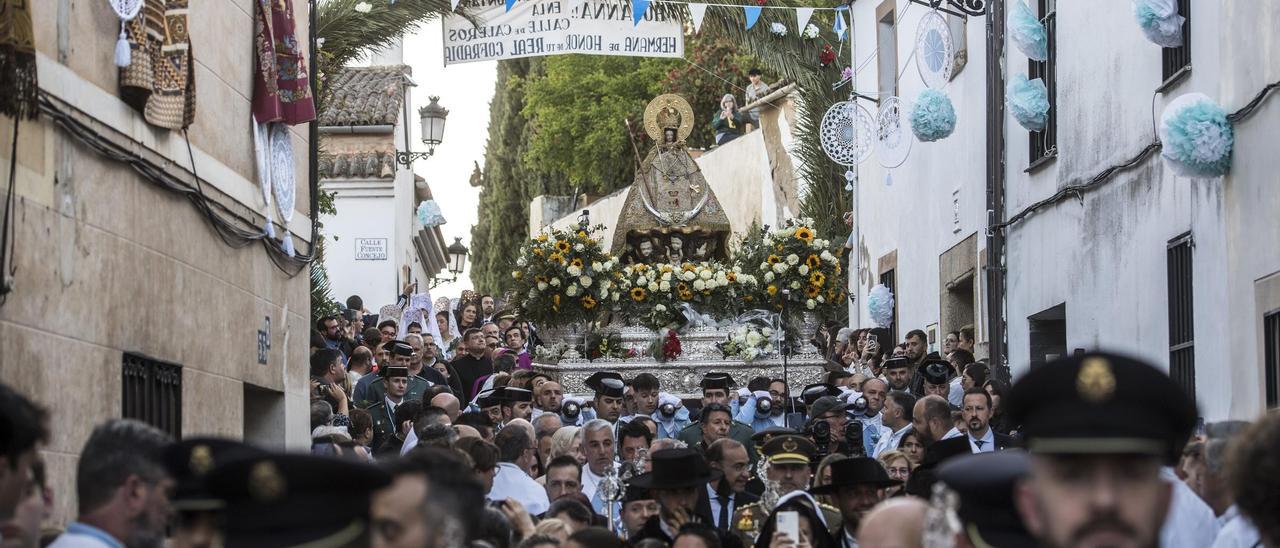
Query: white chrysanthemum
(574, 271)
(572, 290)
(555, 282)
(768, 276)
(705, 274)
(803, 270)
(792, 259)
(586, 281)
(754, 338)
(699, 285)
(542, 286)
(810, 304)
(827, 256)
(768, 332)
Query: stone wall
(109, 263)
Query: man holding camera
(766, 405)
(831, 430)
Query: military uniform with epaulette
(740, 432)
(384, 418)
(378, 387)
(781, 448)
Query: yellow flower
(803, 233)
(541, 279)
(542, 237)
(637, 294)
(773, 290)
(688, 266)
(817, 279)
(838, 269)
(582, 234)
(562, 245)
(576, 262)
(685, 295)
(588, 302)
(537, 251)
(517, 274)
(555, 302)
(773, 259)
(813, 261)
(812, 291)
(732, 276)
(682, 288)
(748, 298)
(556, 258)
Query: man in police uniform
(790, 457)
(715, 389)
(610, 390)
(1098, 427)
(401, 352)
(516, 403)
(197, 512)
(490, 404)
(396, 380)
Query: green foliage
(713, 64)
(322, 303)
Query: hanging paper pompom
(1197, 136)
(429, 214)
(1028, 33)
(778, 29)
(1160, 21)
(932, 117)
(1028, 102)
(810, 32)
(880, 305)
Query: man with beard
(433, 501)
(491, 405)
(516, 403)
(930, 419)
(122, 488)
(766, 405)
(488, 306)
(895, 423)
(547, 398)
(1098, 427)
(979, 437)
(858, 485)
(676, 477)
(897, 371)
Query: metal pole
(855, 314)
(995, 273)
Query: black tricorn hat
(606, 383)
(812, 392)
(716, 380)
(399, 348)
(190, 461)
(291, 500)
(855, 471)
(488, 398)
(511, 394)
(936, 371)
(985, 483)
(895, 363)
(676, 469)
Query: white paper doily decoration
(935, 50)
(893, 136)
(283, 182)
(847, 133)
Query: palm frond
(348, 34)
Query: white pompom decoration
(880, 305)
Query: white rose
(804, 270)
(827, 256)
(641, 281)
(666, 276)
(792, 259)
(810, 304)
(521, 261)
(795, 285)
(596, 266)
(699, 285)
(689, 276)
(542, 286)
(574, 271)
(768, 276)
(579, 247)
(651, 275)
(653, 286)
(705, 274)
(752, 353)
(585, 281)
(780, 268)
(627, 270)
(754, 338)
(768, 332)
(615, 297)
(659, 308)
(664, 286)
(604, 294)
(768, 241)
(555, 282)
(821, 299)
(572, 290)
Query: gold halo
(663, 101)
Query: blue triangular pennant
(638, 7)
(753, 15)
(840, 26)
(510, 3)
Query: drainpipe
(995, 269)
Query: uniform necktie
(724, 512)
(979, 442)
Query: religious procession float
(676, 294)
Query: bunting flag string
(840, 26)
(753, 15)
(510, 3)
(638, 7)
(802, 18)
(453, 5)
(697, 12)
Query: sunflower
(812, 291)
(688, 267)
(682, 288)
(732, 276)
(576, 262)
(804, 234)
(817, 279)
(686, 296)
(588, 302)
(813, 261)
(542, 237)
(773, 259)
(556, 258)
(537, 251)
(637, 294)
(562, 245)
(773, 290)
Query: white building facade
(1184, 272)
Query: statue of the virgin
(670, 213)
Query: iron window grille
(1271, 355)
(1182, 358)
(152, 393)
(1176, 62)
(1044, 144)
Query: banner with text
(552, 27)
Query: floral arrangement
(1197, 136)
(550, 353)
(796, 260)
(563, 277)
(778, 29)
(827, 56)
(1028, 102)
(652, 294)
(1027, 32)
(1160, 21)
(607, 345)
(932, 117)
(666, 346)
(747, 342)
(810, 32)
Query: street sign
(371, 249)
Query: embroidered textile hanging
(159, 81)
(18, 84)
(281, 90)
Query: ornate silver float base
(681, 377)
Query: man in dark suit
(720, 499)
(980, 438)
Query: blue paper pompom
(1028, 102)
(932, 117)
(1160, 21)
(880, 305)
(1197, 137)
(429, 214)
(1028, 33)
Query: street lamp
(457, 257)
(431, 118)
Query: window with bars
(153, 393)
(886, 278)
(1182, 358)
(1176, 62)
(1044, 144)
(1271, 357)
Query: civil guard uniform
(781, 448)
(984, 483)
(738, 431)
(384, 418)
(606, 384)
(378, 387)
(189, 462)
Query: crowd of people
(441, 434)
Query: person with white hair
(727, 123)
